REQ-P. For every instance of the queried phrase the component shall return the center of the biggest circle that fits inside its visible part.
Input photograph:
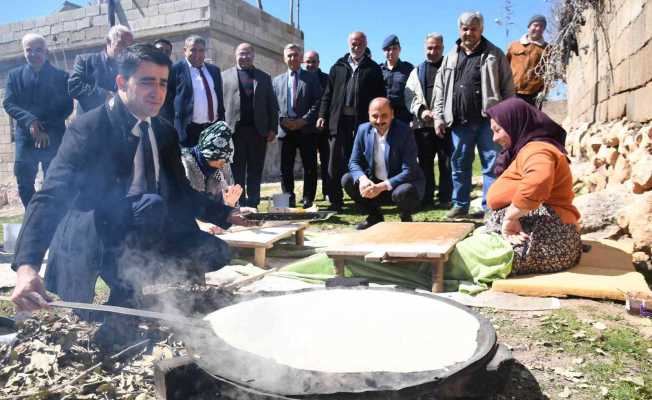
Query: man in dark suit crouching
(383, 166)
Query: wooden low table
(263, 238)
(397, 242)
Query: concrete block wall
(611, 77)
(224, 23)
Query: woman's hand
(511, 229)
(232, 195)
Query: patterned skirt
(553, 246)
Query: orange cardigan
(539, 174)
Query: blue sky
(326, 23)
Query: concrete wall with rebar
(611, 77)
(225, 23)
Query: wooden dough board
(263, 236)
(402, 240)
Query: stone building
(611, 77)
(224, 23)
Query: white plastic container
(10, 236)
(281, 200)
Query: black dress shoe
(406, 217)
(335, 207)
(307, 204)
(369, 222)
(442, 205)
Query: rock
(639, 214)
(642, 172)
(599, 210)
(622, 171)
(640, 256)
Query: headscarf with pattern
(524, 123)
(215, 143)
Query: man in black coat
(92, 81)
(353, 82)
(116, 202)
(396, 73)
(197, 90)
(298, 93)
(311, 60)
(36, 97)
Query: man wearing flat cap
(395, 74)
(524, 55)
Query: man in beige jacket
(419, 91)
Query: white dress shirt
(380, 167)
(200, 102)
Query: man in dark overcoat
(116, 202)
(36, 97)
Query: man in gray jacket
(474, 75)
(251, 111)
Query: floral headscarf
(215, 143)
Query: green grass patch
(619, 358)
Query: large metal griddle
(262, 375)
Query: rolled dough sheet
(342, 330)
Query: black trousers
(193, 131)
(25, 172)
(430, 145)
(303, 140)
(27, 160)
(405, 196)
(324, 150)
(341, 146)
(148, 254)
(248, 162)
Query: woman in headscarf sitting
(532, 198)
(208, 168)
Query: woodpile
(616, 157)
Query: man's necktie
(148, 158)
(295, 83)
(209, 97)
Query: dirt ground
(587, 350)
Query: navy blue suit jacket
(180, 86)
(46, 100)
(400, 155)
(92, 77)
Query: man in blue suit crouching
(383, 166)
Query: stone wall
(612, 76)
(225, 23)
